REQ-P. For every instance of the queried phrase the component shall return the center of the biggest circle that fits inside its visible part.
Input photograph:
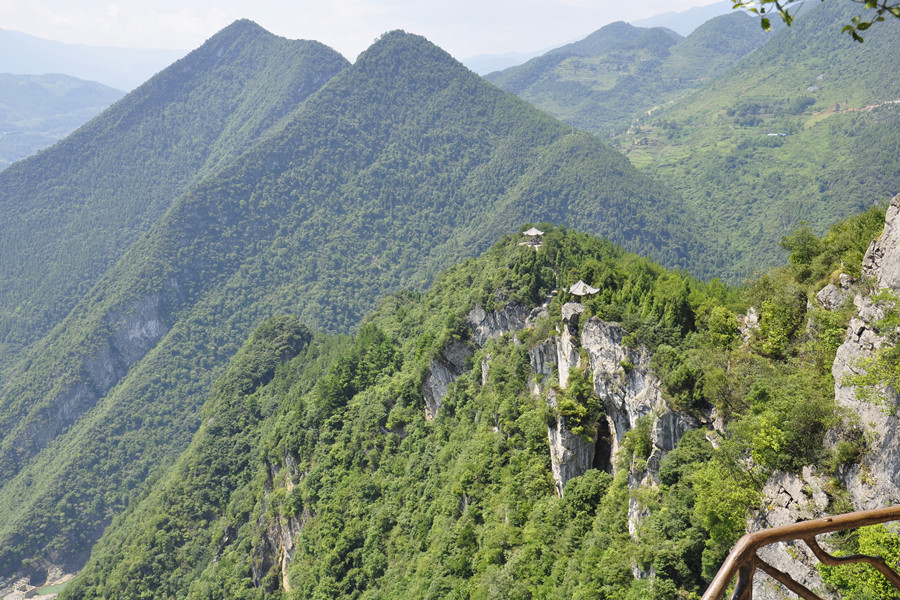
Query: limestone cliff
(622, 380)
(875, 481)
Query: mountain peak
(398, 42)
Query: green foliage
(859, 23)
(333, 445)
(391, 171)
(578, 405)
(877, 377)
(71, 212)
(619, 71)
(861, 581)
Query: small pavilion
(534, 237)
(581, 289)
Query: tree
(784, 9)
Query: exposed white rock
(622, 377)
(882, 259)
(788, 499)
(747, 324)
(449, 364)
(876, 481)
(486, 325)
(543, 363)
(668, 429)
(570, 455)
(567, 355)
(831, 296)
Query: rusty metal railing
(743, 560)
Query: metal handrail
(743, 559)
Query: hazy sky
(462, 27)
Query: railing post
(743, 588)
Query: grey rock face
(747, 324)
(622, 377)
(570, 455)
(449, 364)
(789, 499)
(882, 259)
(136, 329)
(486, 325)
(566, 350)
(275, 547)
(667, 431)
(831, 296)
(876, 481)
(543, 357)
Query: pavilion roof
(582, 289)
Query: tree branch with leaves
(787, 10)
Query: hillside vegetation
(601, 82)
(67, 214)
(805, 129)
(319, 476)
(759, 132)
(400, 165)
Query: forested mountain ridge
(399, 165)
(805, 129)
(491, 439)
(38, 110)
(69, 213)
(619, 71)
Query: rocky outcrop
(133, 331)
(542, 359)
(876, 481)
(788, 499)
(668, 429)
(485, 325)
(622, 378)
(450, 362)
(571, 455)
(275, 547)
(882, 259)
(567, 355)
(443, 370)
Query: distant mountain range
(760, 131)
(619, 71)
(685, 22)
(119, 68)
(39, 110)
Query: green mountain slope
(38, 110)
(69, 213)
(323, 478)
(620, 71)
(806, 128)
(397, 167)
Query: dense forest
(397, 167)
(70, 212)
(350, 491)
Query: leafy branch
(787, 11)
